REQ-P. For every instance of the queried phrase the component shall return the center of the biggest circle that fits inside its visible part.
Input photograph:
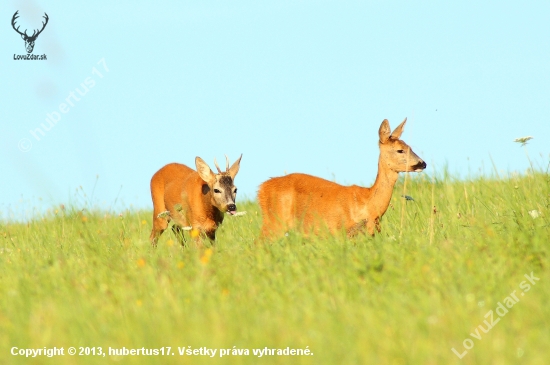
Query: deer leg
(211, 235)
(159, 225)
(357, 228)
(265, 232)
(206, 228)
(273, 227)
(371, 226)
(178, 232)
(377, 224)
(154, 237)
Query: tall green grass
(443, 260)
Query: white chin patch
(418, 170)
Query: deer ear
(399, 130)
(384, 131)
(204, 170)
(234, 169)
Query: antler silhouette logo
(29, 40)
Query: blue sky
(296, 86)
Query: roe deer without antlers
(192, 198)
(311, 203)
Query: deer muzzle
(231, 209)
(419, 166)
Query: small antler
(216, 163)
(226, 164)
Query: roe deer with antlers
(312, 204)
(192, 198)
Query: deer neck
(382, 189)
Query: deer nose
(231, 207)
(420, 166)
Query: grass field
(445, 267)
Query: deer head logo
(29, 40)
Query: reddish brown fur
(310, 203)
(188, 198)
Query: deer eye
(235, 191)
(400, 151)
(217, 191)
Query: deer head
(394, 152)
(224, 191)
(29, 40)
